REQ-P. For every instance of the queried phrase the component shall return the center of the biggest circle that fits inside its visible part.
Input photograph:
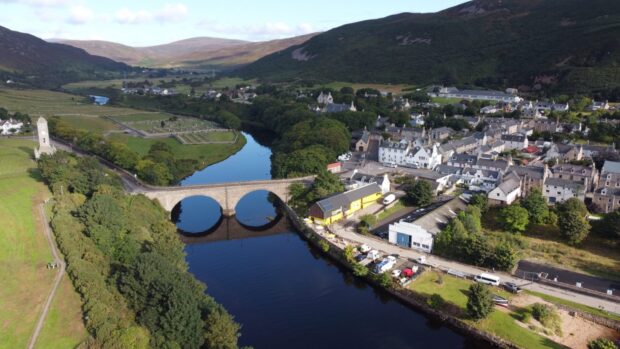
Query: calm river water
(281, 290)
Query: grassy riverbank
(24, 254)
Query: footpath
(61, 272)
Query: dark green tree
(602, 343)
(419, 192)
(572, 221)
(479, 301)
(514, 218)
(536, 206)
(481, 201)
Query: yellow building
(339, 206)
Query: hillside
(28, 59)
(566, 45)
(198, 52)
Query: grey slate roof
(343, 200)
(533, 172)
(611, 167)
(564, 183)
(435, 220)
(510, 183)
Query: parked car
(360, 257)
(396, 273)
(421, 259)
(389, 199)
(364, 248)
(386, 264)
(381, 234)
(374, 255)
(512, 287)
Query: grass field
(399, 206)
(394, 89)
(443, 100)
(594, 256)
(24, 254)
(50, 103)
(205, 153)
(500, 323)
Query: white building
(507, 192)
(423, 157)
(393, 152)
(514, 141)
(358, 180)
(486, 95)
(410, 235)
(559, 190)
(325, 98)
(10, 126)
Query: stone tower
(45, 147)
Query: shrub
(385, 280)
(436, 301)
(324, 245)
(548, 317)
(602, 343)
(360, 270)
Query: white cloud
(169, 13)
(38, 3)
(80, 15)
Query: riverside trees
(126, 261)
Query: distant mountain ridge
(49, 64)
(199, 52)
(567, 45)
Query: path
(346, 231)
(61, 271)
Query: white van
(389, 199)
(487, 279)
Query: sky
(152, 22)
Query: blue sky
(142, 22)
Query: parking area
(532, 269)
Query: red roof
(532, 149)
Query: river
(284, 293)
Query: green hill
(566, 45)
(30, 60)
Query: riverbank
(411, 298)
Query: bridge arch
(257, 208)
(196, 214)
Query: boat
(501, 301)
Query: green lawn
(206, 153)
(91, 123)
(443, 100)
(394, 89)
(500, 322)
(399, 206)
(24, 253)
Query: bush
(385, 280)
(349, 251)
(602, 343)
(436, 301)
(324, 245)
(360, 270)
(514, 218)
(548, 317)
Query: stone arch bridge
(227, 195)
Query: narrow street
(346, 230)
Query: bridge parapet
(227, 195)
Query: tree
(481, 201)
(602, 343)
(536, 206)
(222, 330)
(479, 301)
(573, 227)
(360, 270)
(349, 252)
(572, 221)
(436, 301)
(419, 193)
(504, 257)
(514, 218)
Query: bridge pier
(228, 212)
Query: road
(61, 272)
(346, 230)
